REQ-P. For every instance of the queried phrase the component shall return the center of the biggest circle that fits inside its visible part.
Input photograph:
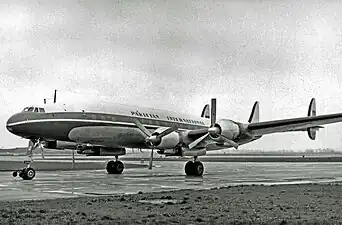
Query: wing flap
(294, 124)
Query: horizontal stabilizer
(310, 123)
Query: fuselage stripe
(87, 121)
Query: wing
(294, 124)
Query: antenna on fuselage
(55, 97)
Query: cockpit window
(34, 109)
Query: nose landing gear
(27, 173)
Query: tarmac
(164, 176)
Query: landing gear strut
(115, 167)
(194, 168)
(27, 173)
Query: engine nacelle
(169, 141)
(82, 147)
(102, 151)
(181, 151)
(229, 129)
(59, 145)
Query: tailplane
(254, 117)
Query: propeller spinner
(153, 140)
(214, 130)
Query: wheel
(28, 173)
(198, 168)
(15, 173)
(115, 167)
(189, 168)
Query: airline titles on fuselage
(176, 119)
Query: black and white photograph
(170, 112)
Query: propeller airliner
(109, 130)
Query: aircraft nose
(11, 122)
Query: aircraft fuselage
(121, 130)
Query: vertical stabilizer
(312, 112)
(206, 112)
(254, 117)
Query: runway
(164, 176)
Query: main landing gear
(194, 168)
(27, 173)
(115, 167)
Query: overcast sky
(177, 55)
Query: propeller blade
(142, 128)
(151, 159)
(213, 111)
(197, 141)
(166, 132)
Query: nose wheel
(26, 173)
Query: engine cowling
(59, 145)
(169, 141)
(228, 128)
(182, 151)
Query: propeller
(153, 140)
(213, 130)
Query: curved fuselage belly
(123, 135)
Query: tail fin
(254, 117)
(206, 111)
(312, 112)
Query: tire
(115, 167)
(28, 174)
(189, 168)
(198, 168)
